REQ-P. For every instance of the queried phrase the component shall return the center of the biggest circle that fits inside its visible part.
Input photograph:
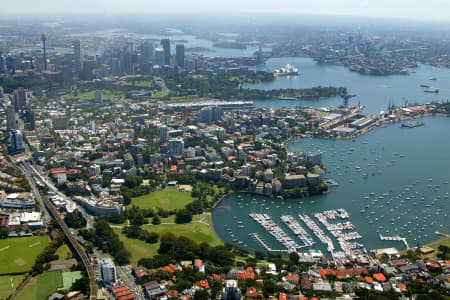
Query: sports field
(8, 284)
(64, 252)
(166, 199)
(200, 230)
(41, 286)
(18, 254)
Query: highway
(29, 172)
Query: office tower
(20, 98)
(59, 121)
(11, 118)
(44, 39)
(159, 57)
(30, 120)
(115, 66)
(16, 141)
(165, 43)
(147, 52)
(179, 56)
(78, 56)
(163, 133)
(98, 97)
(2, 62)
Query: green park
(18, 254)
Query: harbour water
(374, 92)
(393, 181)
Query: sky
(434, 10)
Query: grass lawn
(106, 95)
(166, 199)
(8, 284)
(18, 254)
(159, 95)
(435, 246)
(64, 252)
(199, 232)
(41, 286)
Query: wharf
(395, 238)
(262, 243)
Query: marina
(318, 232)
(298, 230)
(273, 229)
(403, 195)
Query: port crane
(346, 97)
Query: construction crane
(346, 97)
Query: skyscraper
(179, 56)
(147, 52)
(11, 118)
(159, 57)
(78, 56)
(2, 62)
(16, 141)
(166, 46)
(20, 98)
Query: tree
(201, 295)
(152, 238)
(156, 220)
(293, 257)
(138, 219)
(81, 284)
(259, 255)
(4, 232)
(183, 216)
(75, 220)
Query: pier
(259, 240)
(298, 230)
(318, 232)
(395, 238)
(273, 229)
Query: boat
(287, 98)
(431, 91)
(424, 86)
(433, 78)
(286, 71)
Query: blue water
(425, 156)
(374, 92)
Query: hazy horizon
(433, 10)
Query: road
(159, 81)
(29, 172)
(124, 274)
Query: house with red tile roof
(379, 277)
(252, 293)
(369, 279)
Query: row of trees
(105, 239)
(47, 255)
(136, 232)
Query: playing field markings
(4, 248)
(34, 244)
